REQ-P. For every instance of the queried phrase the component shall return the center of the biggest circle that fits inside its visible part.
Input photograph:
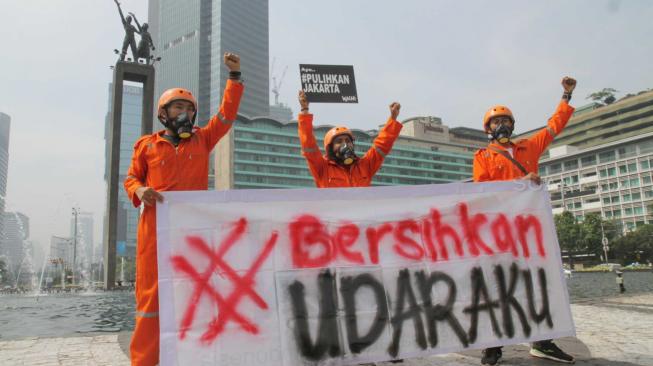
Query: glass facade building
(132, 110)
(191, 38)
(265, 153)
(602, 161)
(595, 124)
(613, 179)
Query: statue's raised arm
(120, 11)
(138, 25)
(129, 40)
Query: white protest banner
(345, 276)
(328, 83)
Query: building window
(623, 170)
(570, 180)
(646, 179)
(612, 172)
(634, 182)
(626, 197)
(645, 147)
(615, 199)
(571, 164)
(636, 196)
(606, 156)
(586, 161)
(627, 151)
(644, 164)
(555, 168)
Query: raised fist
(394, 110)
(232, 61)
(568, 84)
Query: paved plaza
(613, 331)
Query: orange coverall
(156, 163)
(492, 166)
(328, 174)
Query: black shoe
(550, 351)
(491, 356)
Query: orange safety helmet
(336, 131)
(496, 111)
(173, 94)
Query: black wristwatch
(566, 96)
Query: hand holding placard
(328, 83)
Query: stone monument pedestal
(123, 71)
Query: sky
(451, 59)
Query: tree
(605, 96)
(570, 234)
(635, 246)
(593, 229)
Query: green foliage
(605, 96)
(593, 233)
(569, 234)
(635, 246)
(586, 237)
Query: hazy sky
(451, 59)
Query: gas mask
(182, 126)
(501, 134)
(347, 155)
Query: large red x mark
(242, 285)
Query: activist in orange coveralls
(339, 166)
(507, 160)
(174, 159)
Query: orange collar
(512, 145)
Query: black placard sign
(328, 83)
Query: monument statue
(129, 40)
(145, 43)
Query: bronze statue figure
(129, 35)
(145, 43)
